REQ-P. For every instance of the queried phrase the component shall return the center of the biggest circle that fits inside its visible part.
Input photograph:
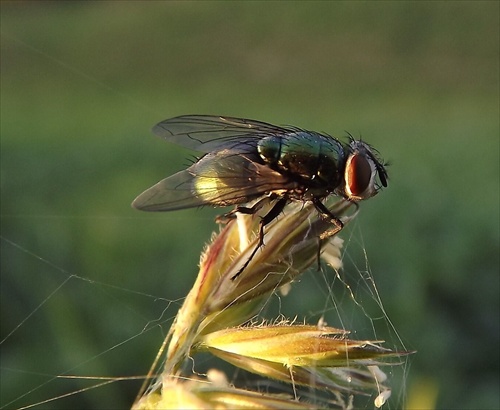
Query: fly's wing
(174, 192)
(206, 133)
(220, 178)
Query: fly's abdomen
(311, 158)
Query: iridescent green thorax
(309, 157)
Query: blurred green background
(82, 83)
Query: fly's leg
(225, 218)
(318, 255)
(338, 224)
(325, 213)
(269, 217)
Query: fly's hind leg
(225, 218)
(266, 219)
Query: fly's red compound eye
(358, 176)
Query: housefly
(245, 160)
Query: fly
(246, 160)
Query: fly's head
(364, 173)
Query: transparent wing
(206, 133)
(221, 178)
(174, 192)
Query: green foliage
(83, 82)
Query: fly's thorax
(308, 157)
(269, 149)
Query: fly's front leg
(318, 255)
(269, 217)
(325, 213)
